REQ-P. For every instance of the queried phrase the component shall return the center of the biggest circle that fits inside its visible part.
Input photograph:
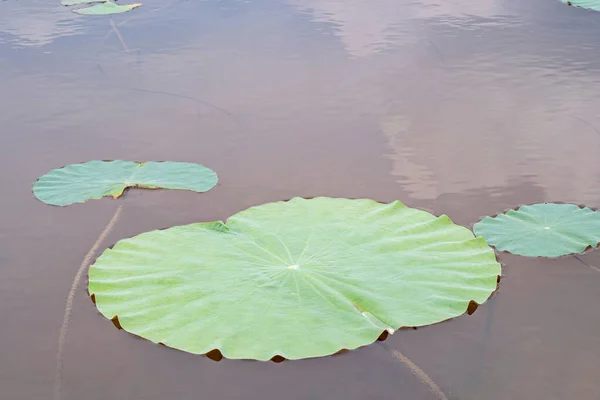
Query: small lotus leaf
(77, 183)
(296, 279)
(589, 4)
(106, 8)
(542, 230)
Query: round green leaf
(589, 4)
(542, 230)
(106, 8)
(77, 183)
(298, 279)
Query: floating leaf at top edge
(106, 8)
(588, 4)
(542, 230)
(77, 183)
(296, 279)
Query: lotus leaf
(296, 279)
(589, 4)
(77, 183)
(542, 230)
(106, 8)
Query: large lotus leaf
(298, 279)
(542, 230)
(77, 183)
(106, 8)
(590, 4)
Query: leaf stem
(417, 371)
(69, 304)
(584, 263)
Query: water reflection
(474, 138)
(367, 27)
(364, 27)
(36, 23)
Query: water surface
(463, 108)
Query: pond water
(463, 108)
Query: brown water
(458, 107)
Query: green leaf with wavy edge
(77, 2)
(297, 279)
(542, 230)
(589, 4)
(106, 8)
(77, 183)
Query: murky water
(458, 107)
